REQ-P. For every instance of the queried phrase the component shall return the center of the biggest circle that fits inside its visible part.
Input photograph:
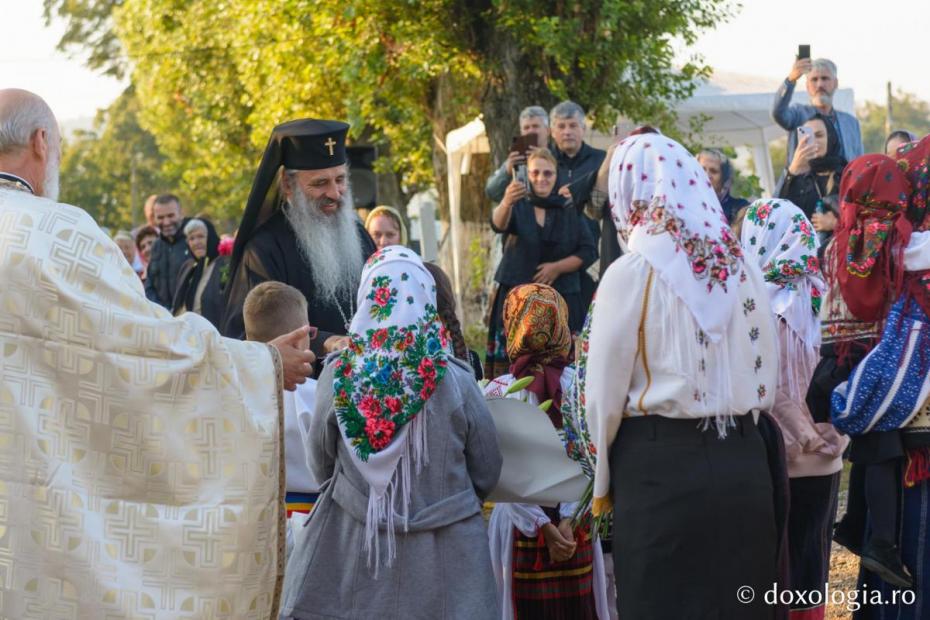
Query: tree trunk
(513, 86)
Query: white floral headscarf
(665, 209)
(779, 237)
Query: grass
(844, 566)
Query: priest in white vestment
(141, 469)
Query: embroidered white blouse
(647, 356)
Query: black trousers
(693, 520)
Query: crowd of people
(710, 361)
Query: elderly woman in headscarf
(544, 569)
(681, 355)
(124, 240)
(200, 280)
(778, 237)
(408, 448)
(720, 172)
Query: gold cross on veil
(330, 143)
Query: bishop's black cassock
(266, 247)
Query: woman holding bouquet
(545, 567)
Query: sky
(871, 43)
(761, 40)
(28, 59)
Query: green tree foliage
(215, 77)
(100, 167)
(908, 112)
(88, 28)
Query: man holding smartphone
(821, 85)
(534, 128)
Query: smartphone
(519, 174)
(523, 144)
(804, 132)
(804, 51)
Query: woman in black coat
(200, 281)
(545, 241)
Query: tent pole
(454, 175)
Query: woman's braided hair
(445, 306)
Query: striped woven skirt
(299, 502)
(548, 590)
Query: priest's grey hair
(23, 114)
(330, 244)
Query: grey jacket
(443, 564)
(791, 116)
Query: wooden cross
(330, 143)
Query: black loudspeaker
(362, 176)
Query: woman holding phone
(545, 241)
(814, 172)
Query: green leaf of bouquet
(519, 384)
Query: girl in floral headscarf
(681, 351)
(544, 569)
(408, 449)
(781, 240)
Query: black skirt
(810, 532)
(694, 520)
(876, 447)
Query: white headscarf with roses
(665, 209)
(397, 357)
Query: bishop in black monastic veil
(299, 227)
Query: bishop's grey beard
(329, 244)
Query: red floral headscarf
(538, 341)
(873, 232)
(914, 160)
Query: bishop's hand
(296, 359)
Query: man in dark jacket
(169, 252)
(578, 166)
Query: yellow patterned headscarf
(536, 323)
(538, 340)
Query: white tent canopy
(736, 110)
